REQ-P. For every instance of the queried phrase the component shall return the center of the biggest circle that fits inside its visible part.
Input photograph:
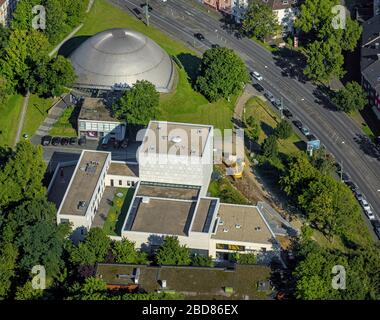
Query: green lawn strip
(37, 112)
(66, 124)
(9, 116)
(118, 212)
(268, 120)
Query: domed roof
(119, 57)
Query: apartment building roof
(147, 189)
(83, 183)
(280, 4)
(175, 138)
(123, 169)
(370, 51)
(243, 224)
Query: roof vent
(237, 226)
(257, 228)
(82, 205)
(176, 139)
(145, 200)
(221, 222)
(225, 230)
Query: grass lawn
(116, 215)
(184, 104)
(36, 113)
(268, 119)
(65, 126)
(10, 112)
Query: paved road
(22, 118)
(339, 133)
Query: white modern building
(169, 197)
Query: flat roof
(167, 191)
(59, 184)
(163, 216)
(84, 181)
(95, 109)
(252, 226)
(193, 282)
(204, 214)
(123, 169)
(175, 138)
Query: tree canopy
(222, 74)
(260, 21)
(138, 105)
(350, 98)
(124, 252)
(270, 147)
(172, 253)
(283, 129)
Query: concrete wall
(126, 181)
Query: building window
(231, 247)
(112, 183)
(120, 182)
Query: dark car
(258, 87)
(287, 113)
(82, 140)
(56, 141)
(376, 226)
(215, 45)
(73, 140)
(311, 137)
(345, 177)
(377, 141)
(298, 124)
(46, 140)
(199, 36)
(65, 141)
(351, 185)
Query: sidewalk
(22, 118)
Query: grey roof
(372, 75)
(122, 56)
(370, 36)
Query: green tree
(92, 289)
(202, 261)
(324, 60)
(124, 252)
(350, 98)
(21, 177)
(222, 74)
(172, 253)
(93, 249)
(253, 128)
(8, 259)
(298, 174)
(283, 130)
(260, 21)
(27, 292)
(246, 258)
(138, 105)
(270, 147)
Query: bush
(283, 130)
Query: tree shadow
(268, 130)
(190, 64)
(323, 96)
(70, 45)
(367, 146)
(291, 62)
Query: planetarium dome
(117, 58)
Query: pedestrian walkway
(248, 93)
(54, 113)
(22, 118)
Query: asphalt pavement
(338, 132)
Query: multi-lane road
(338, 132)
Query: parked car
(256, 75)
(65, 141)
(199, 36)
(104, 142)
(56, 141)
(351, 185)
(287, 113)
(370, 214)
(311, 137)
(215, 45)
(345, 177)
(298, 124)
(277, 103)
(82, 140)
(358, 195)
(305, 131)
(365, 204)
(376, 226)
(46, 140)
(258, 87)
(73, 140)
(269, 96)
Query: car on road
(65, 141)
(258, 87)
(370, 214)
(345, 177)
(351, 185)
(305, 131)
(298, 124)
(215, 45)
(365, 205)
(311, 137)
(270, 96)
(82, 140)
(104, 142)
(199, 36)
(73, 140)
(376, 226)
(287, 113)
(56, 141)
(46, 140)
(256, 75)
(358, 195)
(277, 103)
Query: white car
(370, 214)
(256, 75)
(365, 204)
